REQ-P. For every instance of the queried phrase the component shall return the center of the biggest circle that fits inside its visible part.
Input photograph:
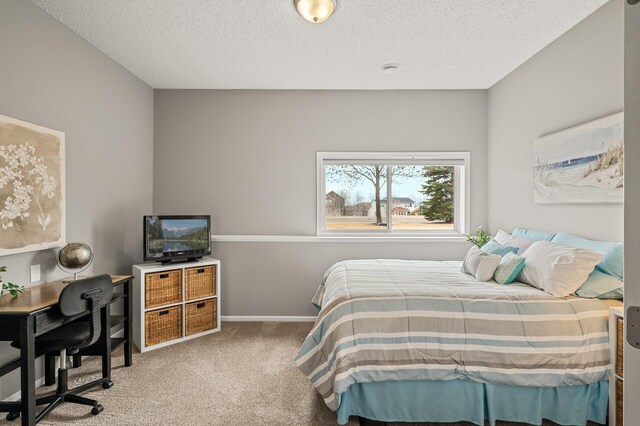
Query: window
(399, 193)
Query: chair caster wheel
(107, 385)
(12, 416)
(97, 409)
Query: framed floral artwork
(32, 199)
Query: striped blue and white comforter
(386, 320)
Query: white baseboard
(16, 396)
(267, 318)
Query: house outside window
(334, 204)
(428, 193)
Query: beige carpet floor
(243, 375)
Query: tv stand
(174, 303)
(184, 259)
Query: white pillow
(480, 264)
(506, 239)
(557, 269)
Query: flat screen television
(176, 238)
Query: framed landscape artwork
(32, 202)
(584, 164)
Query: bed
(420, 341)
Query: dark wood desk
(34, 313)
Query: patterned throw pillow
(480, 264)
(510, 266)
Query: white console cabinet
(175, 302)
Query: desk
(34, 313)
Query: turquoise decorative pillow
(533, 235)
(494, 247)
(613, 261)
(508, 269)
(601, 286)
(615, 294)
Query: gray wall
(280, 278)
(577, 78)
(52, 77)
(248, 158)
(237, 154)
(632, 201)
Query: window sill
(342, 238)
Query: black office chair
(87, 295)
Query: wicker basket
(200, 316)
(163, 288)
(620, 348)
(619, 403)
(162, 325)
(200, 282)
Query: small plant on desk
(13, 289)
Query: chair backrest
(87, 295)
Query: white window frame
(462, 182)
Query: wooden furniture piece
(175, 302)
(82, 297)
(35, 313)
(616, 344)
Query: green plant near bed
(480, 238)
(13, 289)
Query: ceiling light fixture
(315, 11)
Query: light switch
(35, 273)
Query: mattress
(399, 320)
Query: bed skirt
(461, 400)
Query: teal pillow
(613, 261)
(601, 286)
(494, 247)
(508, 269)
(615, 294)
(531, 234)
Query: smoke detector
(390, 68)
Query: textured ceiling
(265, 44)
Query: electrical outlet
(35, 273)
